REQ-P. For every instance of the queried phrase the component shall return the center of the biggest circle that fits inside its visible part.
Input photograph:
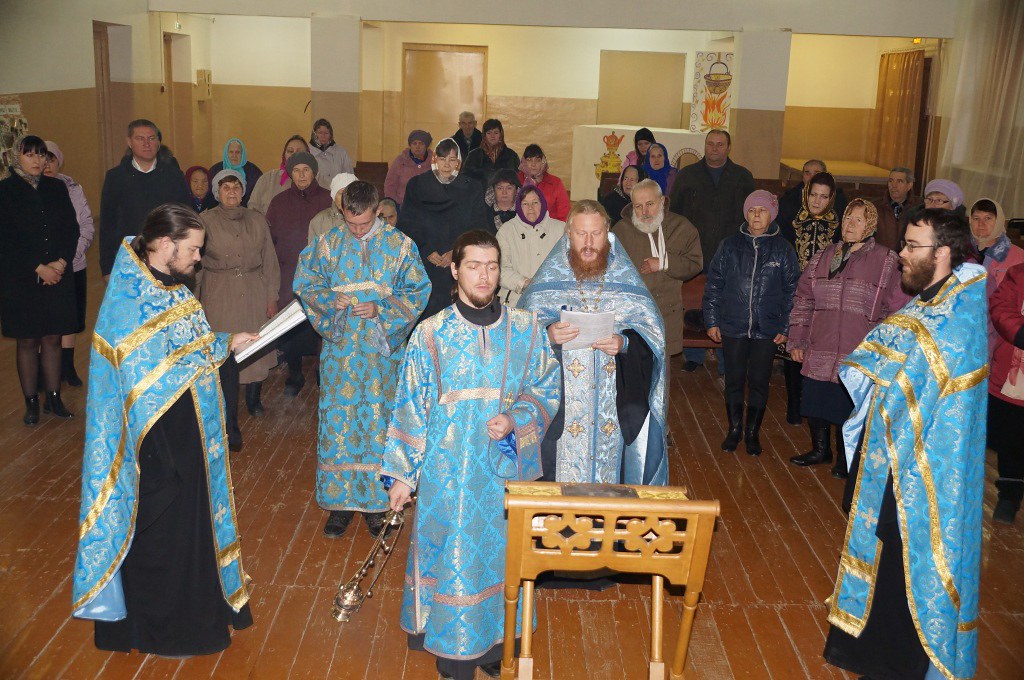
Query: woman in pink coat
(411, 162)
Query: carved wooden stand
(581, 527)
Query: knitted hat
(948, 188)
(226, 172)
(421, 136)
(763, 199)
(340, 181)
(55, 150)
(302, 158)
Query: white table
(588, 147)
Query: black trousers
(299, 342)
(1006, 438)
(229, 385)
(748, 364)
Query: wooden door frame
(434, 47)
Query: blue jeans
(696, 355)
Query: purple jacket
(401, 170)
(86, 230)
(289, 215)
(831, 317)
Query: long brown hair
(172, 220)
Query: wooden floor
(773, 561)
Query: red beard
(590, 270)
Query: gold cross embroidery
(608, 427)
(609, 367)
(576, 367)
(575, 429)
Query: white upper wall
(270, 51)
(525, 61)
(933, 18)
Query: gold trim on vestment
(161, 368)
(145, 269)
(935, 528)
(469, 394)
(868, 372)
(967, 626)
(349, 467)
(103, 497)
(904, 533)
(360, 286)
(157, 323)
(104, 349)
(886, 352)
(229, 554)
(927, 343)
(965, 381)
(469, 600)
(951, 287)
(418, 444)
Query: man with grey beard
(665, 249)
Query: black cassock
(172, 590)
(433, 216)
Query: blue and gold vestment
(360, 358)
(592, 447)
(456, 377)
(152, 344)
(919, 385)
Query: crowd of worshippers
(442, 316)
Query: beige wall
(826, 132)
(262, 117)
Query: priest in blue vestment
(905, 604)
(159, 564)
(479, 387)
(363, 287)
(611, 426)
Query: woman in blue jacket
(747, 300)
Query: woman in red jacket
(534, 170)
(1006, 392)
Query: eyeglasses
(937, 202)
(914, 246)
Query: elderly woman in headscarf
(500, 196)
(198, 179)
(86, 231)
(440, 206)
(525, 241)
(332, 158)
(238, 286)
(492, 154)
(413, 161)
(618, 198)
(846, 290)
(235, 158)
(815, 227)
(275, 181)
(534, 170)
(657, 167)
(39, 232)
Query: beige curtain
(981, 104)
(897, 108)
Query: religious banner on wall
(713, 85)
(12, 126)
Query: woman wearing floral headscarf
(277, 180)
(845, 291)
(235, 158)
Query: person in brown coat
(665, 249)
(238, 287)
(289, 216)
(895, 207)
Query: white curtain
(981, 102)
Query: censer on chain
(350, 595)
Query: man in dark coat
(895, 207)
(792, 199)
(467, 136)
(710, 193)
(289, 215)
(140, 182)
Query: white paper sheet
(593, 326)
(285, 320)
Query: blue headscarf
(228, 165)
(659, 176)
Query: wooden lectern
(583, 527)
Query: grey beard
(653, 226)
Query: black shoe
(754, 417)
(252, 398)
(820, 452)
(492, 670)
(1005, 511)
(337, 523)
(375, 522)
(31, 410)
(839, 470)
(732, 438)
(234, 442)
(443, 675)
(54, 405)
(67, 372)
(293, 384)
(690, 366)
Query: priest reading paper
(610, 428)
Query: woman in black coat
(38, 238)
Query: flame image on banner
(712, 81)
